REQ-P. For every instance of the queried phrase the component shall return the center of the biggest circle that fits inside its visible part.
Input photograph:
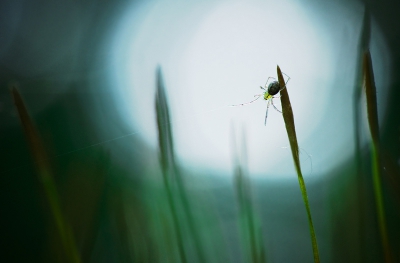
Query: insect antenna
(268, 79)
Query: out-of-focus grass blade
(166, 156)
(363, 44)
(84, 196)
(370, 91)
(46, 179)
(164, 125)
(189, 217)
(253, 240)
(172, 173)
(291, 131)
(246, 212)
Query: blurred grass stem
(257, 253)
(370, 91)
(171, 172)
(47, 180)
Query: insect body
(273, 89)
(269, 94)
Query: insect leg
(274, 105)
(243, 104)
(266, 113)
(284, 87)
(267, 81)
(309, 157)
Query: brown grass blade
(47, 181)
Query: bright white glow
(218, 53)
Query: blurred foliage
(249, 223)
(89, 206)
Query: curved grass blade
(372, 109)
(47, 180)
(291, 131)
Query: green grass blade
(263, 252)
(370, 91)
(47, 180)
(189, 217)
(168, 161)
(291, 131)
(167, 156)
(363, 44)
(246, 211)
(252, 234)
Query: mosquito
(269, 92)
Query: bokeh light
(217, 53)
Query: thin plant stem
(291, 131)
(370, 91)
(47, 180)
(243, 192)
(360, 185)
(170, 166)
(189, 216)
(246, 208)
(167, 157)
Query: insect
(269, 94)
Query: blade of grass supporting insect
(291, 131)
(167, 157)
(46, 179)
(370, 91)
